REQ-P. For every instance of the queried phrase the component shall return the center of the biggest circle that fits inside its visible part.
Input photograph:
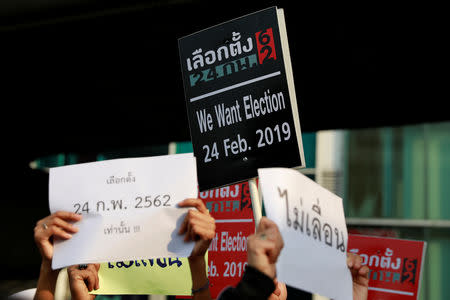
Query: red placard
(227, 256)
(231, 207)
(229, 202)
(381, 232)
(395, 265)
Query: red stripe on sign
(265, 45)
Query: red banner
(395, 265)
(231, 206)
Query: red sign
(395, 265)
(227, 256)
(231, 207)
(381, 232)
(229, 202)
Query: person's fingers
(200, 217)
(357, 262)
(273, 253)
(59, 219)
(192, 232)
(283, 289)
(184, 225)
(47, 228)
(261, 246)
(93, 276)
(354, 263)
(197, 225)
(69, 216)
(349, 260)
(364, 271)
(272, 234)
(70, 268)
(188, 234)
(262, 225)
(63, 225)
(193, 215)
(89, 279)
(58, 232)
(42, 235)
(361, 276)
(270, 231)
(277, 290)
(88, 276)
(97, 283)
(202, 232)
(197, 203)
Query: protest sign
(231, 208)
(240, 98)
(312, 223)
(395, 265)
(129, 208)
(161, 276)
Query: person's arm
(82, 280)
(360, 276)
(45, 288)
(200, 227)
(55, 226)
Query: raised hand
(360, 276)
(82, 280)
(56, 225)
(264, 247)
(198, 226)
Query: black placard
(238, 101)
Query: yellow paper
(166, 276)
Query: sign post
(256, 201)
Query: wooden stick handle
(256, 201)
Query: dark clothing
(254, 285)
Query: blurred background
(92, 80)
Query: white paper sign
(129, 208)
(312, 222)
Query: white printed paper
(312, 222)
(129, 208)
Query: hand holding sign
(166, 276)
(47, 230)
(128, 206)
(360, 276)
(53, 227)
(264, 247)
(198, 226)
